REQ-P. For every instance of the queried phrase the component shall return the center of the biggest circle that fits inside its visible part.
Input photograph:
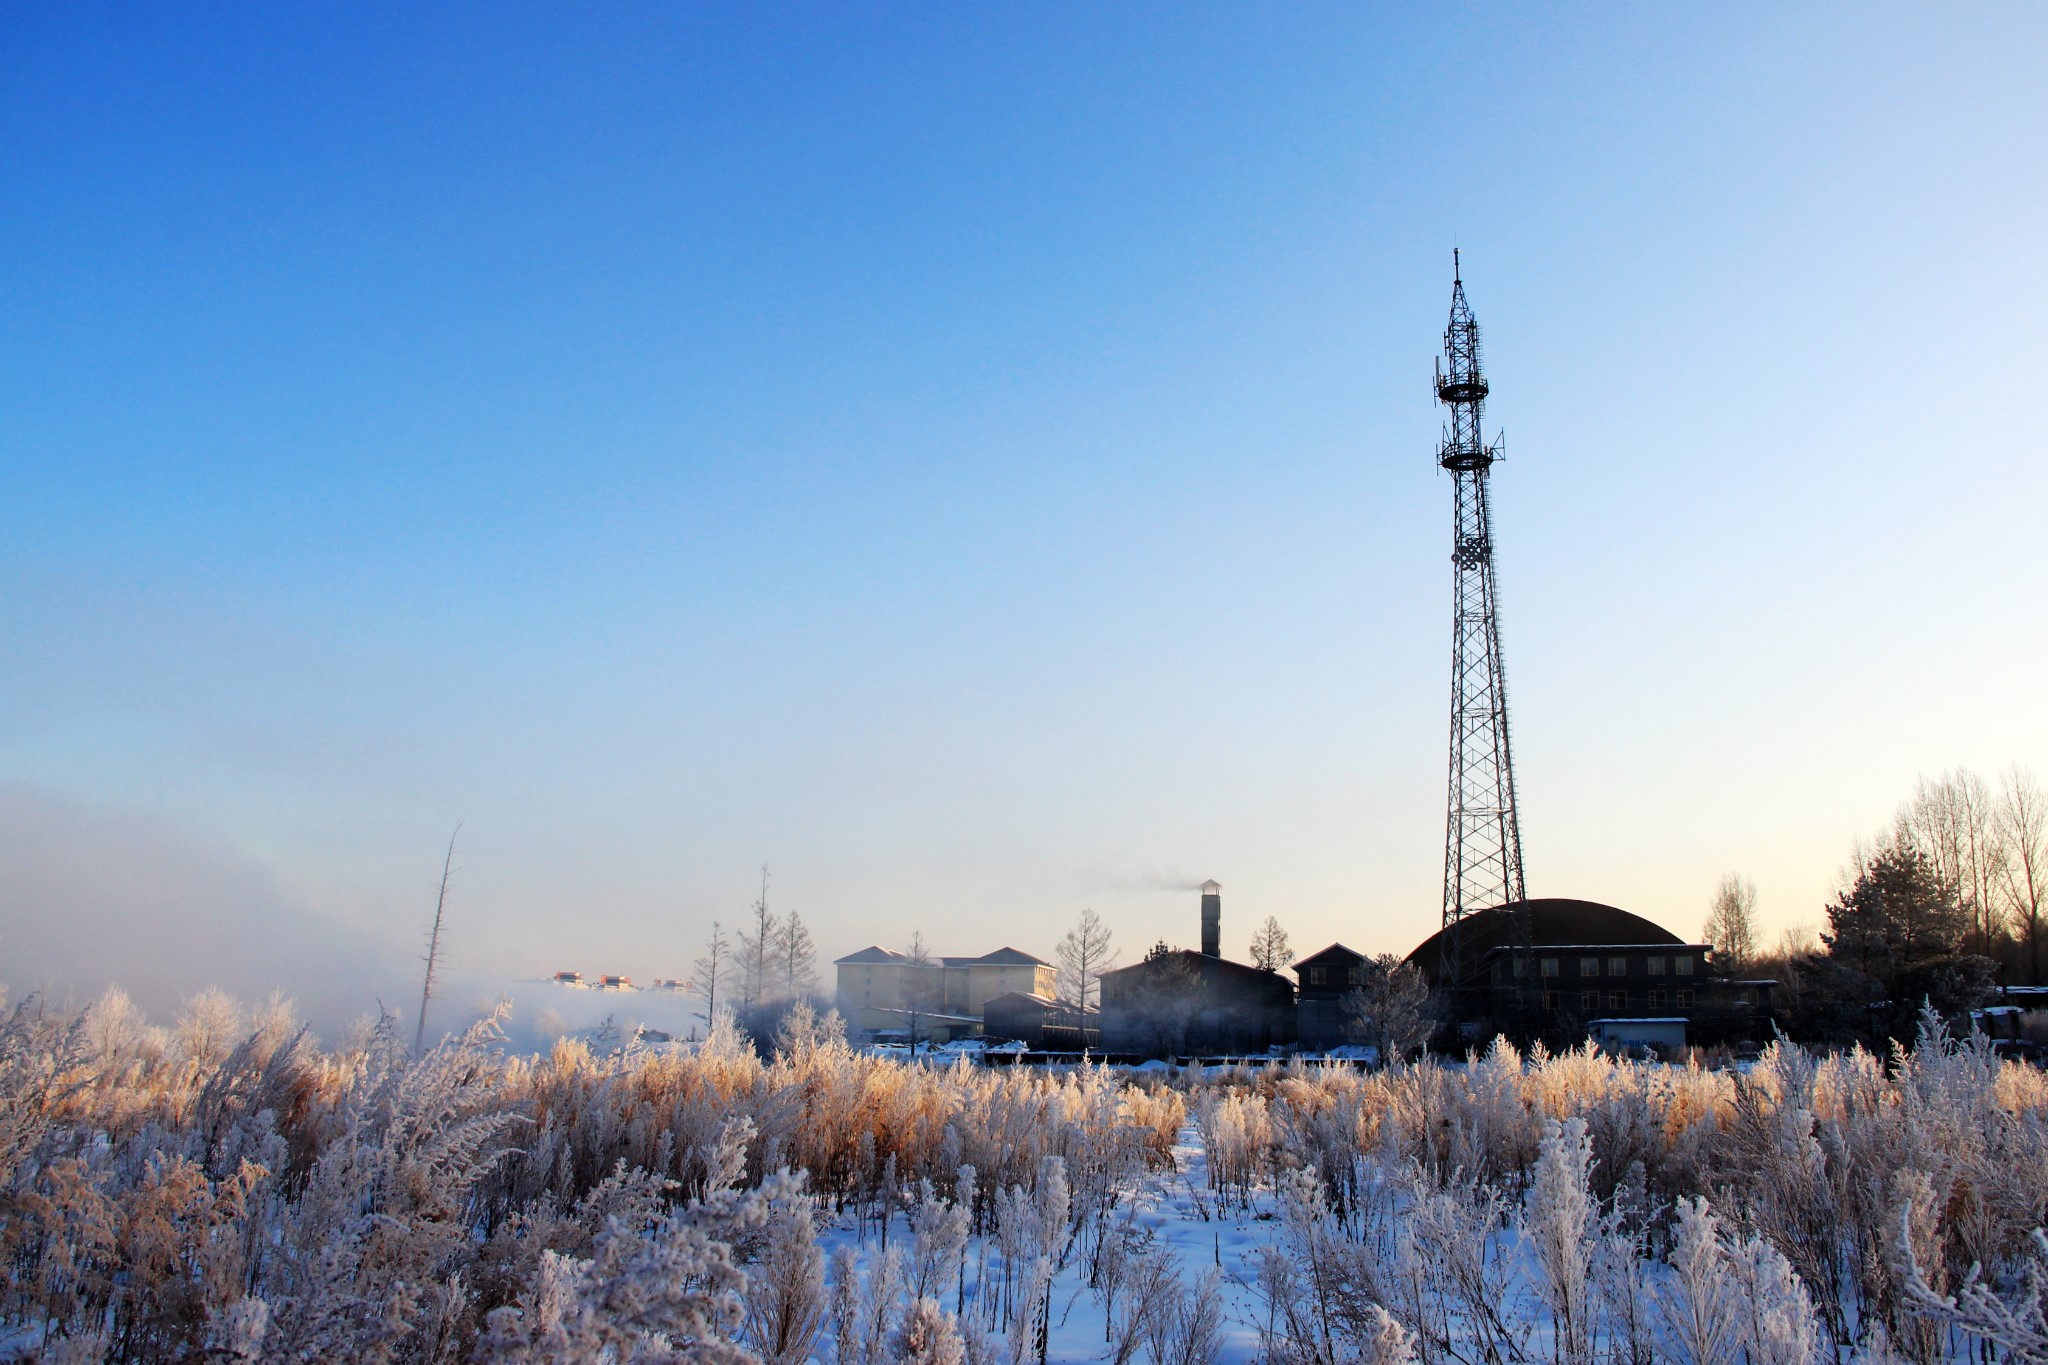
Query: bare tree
(1952, 820)
(1084, 955)
(1731, 924)
(715, 966)
(914, 984)
(2023, 825)
(1270, 950)
(1798, 940)
(796, 959)
(419, 1034)
(757, 951)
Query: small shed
(1664, 1035)
(1040, 1022)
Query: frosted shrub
(785, 1294)
(1137, 1291)
(1777, 1321)
(1319, 1287)
(1699, 1299)
(669, 1295)
(1559, 1223)
(938, 1240)
(1237, 1137)
(1451, 1277)
(2015, 1320)
(929, 1336)
(1185, 1326)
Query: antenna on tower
(1482, 832)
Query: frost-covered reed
(224, 1189)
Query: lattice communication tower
(1483, 836)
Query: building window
(1656, 1000)
(1315, 976)
(1589, 966)
(1655, 965)
(1617, 966)
(1685, 1000)
(1617, 1000)
(1550, 1000)
(1521, 967)
(1356, 976)
(1550, 966)
(1682, 965)
(1589, 999)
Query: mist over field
(97, 895)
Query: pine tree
(757, 952)
(715, 966)
(1270, 951)
(1084, 955)
(1895, 939)
(796, 959)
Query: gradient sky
(978, 460)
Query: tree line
(772, 964)
(1940, 909)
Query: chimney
(1212, 919)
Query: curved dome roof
(1553, 921)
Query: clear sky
(978, 460)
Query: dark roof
(1554, 922)
(1219, 965)
(877, 955)
(1336, 952)
(1026, 1000)
(1020, 998)
(1605, 947)
(1010, 957)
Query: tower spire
(1482, 835)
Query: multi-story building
(880, 990)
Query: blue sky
(978, 461)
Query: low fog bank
(92, 896)
(541, 1011)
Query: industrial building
(1178, 1001)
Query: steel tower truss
(1483, 836)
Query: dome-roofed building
(1587, 968)
(1554, 921)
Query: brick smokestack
(1212, 919)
